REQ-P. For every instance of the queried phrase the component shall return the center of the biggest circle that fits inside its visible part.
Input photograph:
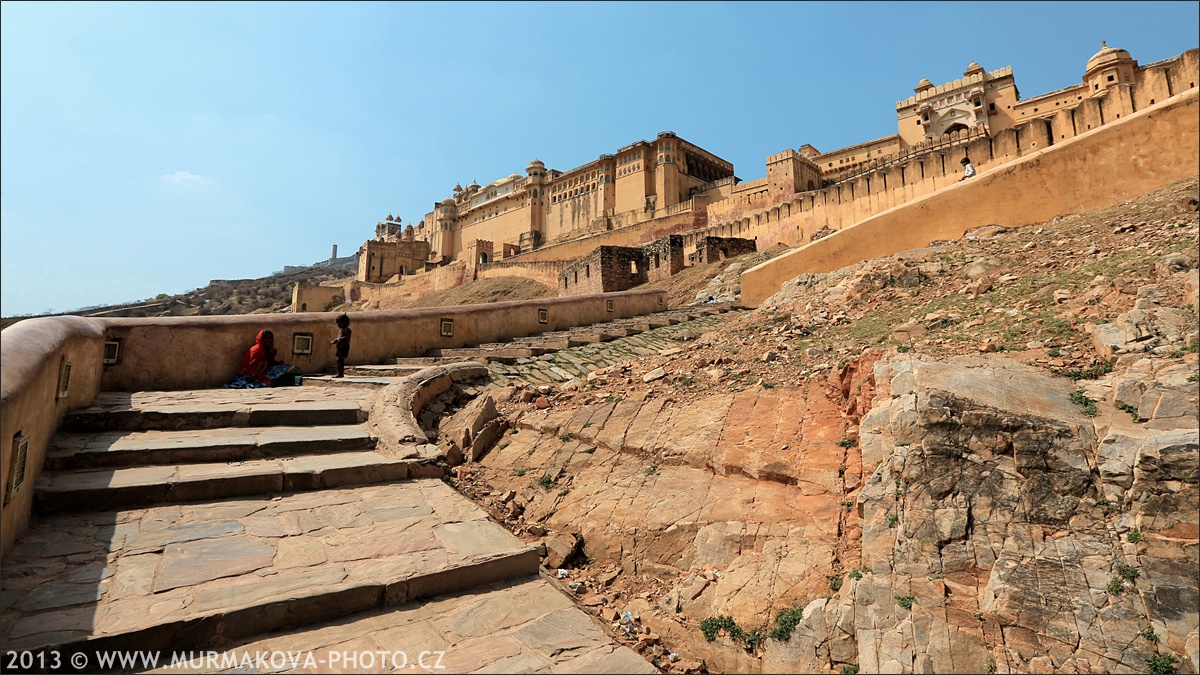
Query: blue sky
(148, 148)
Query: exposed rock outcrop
(1022, 535)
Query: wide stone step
(492, 351)
(176, 416)
(141, 448)
(385, 370)
(117, 488)
(421, 361)
(197, 575)
(526, 625)
(347, 382)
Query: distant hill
(266, 295)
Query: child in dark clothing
(343, 343)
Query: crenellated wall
(1129, 156)
(206, 352)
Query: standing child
(343, 343)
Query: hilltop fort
(537, 224)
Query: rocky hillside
(238, 296)
(981, 456)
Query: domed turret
(457, 188)
(1107, 68)
(473, 187)
(536, 167)
(973, 69)
(1108, 56)
(923, 85)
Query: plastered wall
(33, 352)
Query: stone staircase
(225, 519)
(550, 357)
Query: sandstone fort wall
(1133, 154)
(542, 271)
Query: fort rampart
(775, 217)
(1102, 166)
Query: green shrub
(713, 626)
(1091, 372)
(1081, 399)
(855, 574)
(835, 583)
(892, 519)
(905, 601)
(564, 437)
(1127, 571)
(1115, 587)
(849, 670)
(1134, 536)
(1162, 663)
(519, 472)
(1149, 634)
(847, 443)
(545, 481)
(787, 620)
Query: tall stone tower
(447, 213)
(666, 169)
(536, 189)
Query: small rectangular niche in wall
(447, 327)
(112, 352)
(302, 343)
(64, 378)
(610, 305)
(16, 469)
(660, 298)
(543, 316)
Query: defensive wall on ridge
(773, 217)
(206, 352)
(1102, 166)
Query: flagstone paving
(197, 519)
(150, 575)
(522, 626)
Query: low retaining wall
(1128, 157)
(203, 352)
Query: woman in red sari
(259, 367)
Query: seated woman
(259, 367)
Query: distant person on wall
(343, 343)
(968, 169)
(259, 366)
